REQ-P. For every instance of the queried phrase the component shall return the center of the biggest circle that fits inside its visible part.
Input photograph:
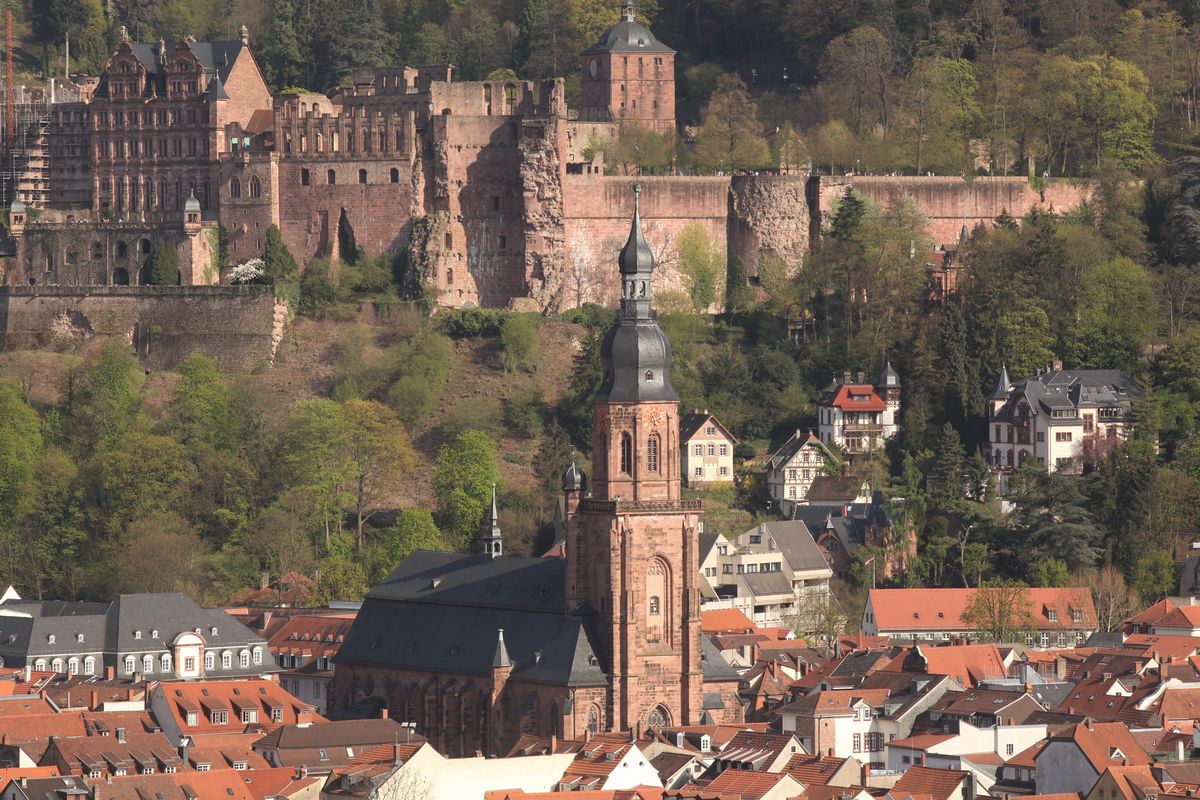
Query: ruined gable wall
(769, 218)
(597, 211)
(951, 202)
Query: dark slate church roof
(217, 59)
(440, 612)
(628, 36)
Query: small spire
(501, 659)
(124, 35)
(628, 12)
(244, 34)
(493, 540)
(1002, 385)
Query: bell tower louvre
(632, 545)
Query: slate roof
(797, 544)
(217, 58)
(112, 629)
(1066, 389)
(628, 36)
(440, 612)
(715, 668)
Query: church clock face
(592, 67)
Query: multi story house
(151, 636)
(859, 417)
(304, 648)
(706, 447)
(1059, 617)
(1057, 417)
(772, 573)
(793, 468)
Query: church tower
(629, 77)
(631, 549)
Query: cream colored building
(793, 468)
(707, 448)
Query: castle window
(655, 606)
(495, 204)
(235, 187)
(255, 187)
(304, 178)
(652, 453)
(362, 176)
(503, 242)
(659, 718)
(331, 177)
(449, 240)
(626, 454)
(122, 249)
(395, 175)
(649, 375)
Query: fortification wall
(952, 202)
(597, 211)
(232, 325)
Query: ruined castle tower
(629, 77)
(632, 555)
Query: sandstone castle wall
(232, 325)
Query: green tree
(278, 263)
(99, 399)
(20, 443)
(315, 455)
(1052, 519)
(379, 454)
(141, 474)
(357, 38)
(638, 150)
(1115, 111)
(1111, 324)
(1154, 575)
(164, 265)
(702, 264)
(50, 519)
(857, 70)
(730, 139)
(413, 530)
(202, 412)
(1051, 572)
(463, 477)
(518, 338)
(161, 552)
(946, 474)
(342, 577)
(1024, 340)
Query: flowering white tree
(252, 271)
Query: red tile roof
(858, 397)
(725, 620)
(260, 696)
(811, 770)
(936, 783)
(966, 663)
(1106, 744)
(1181, 617)
(737, 783)
(942, 609)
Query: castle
(482, 185)
(480, 649)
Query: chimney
(553, 743)
(110, 672)
(1179, 751)
(587, 735)
(383, 713)
(95, 704)
(28, 673)
(1056, 365)
(183, 753)
(396, 752)
(866, 769)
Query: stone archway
(120, 277)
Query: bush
(595, 317)
(471, 323)
(421, 379)
(472, 413)
(320, 288)
(523, 412)
(369, 275)
(519, 340)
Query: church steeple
(637, 267)
(493, 541)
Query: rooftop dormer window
(137, 634)
(50, 638)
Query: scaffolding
(24, 133)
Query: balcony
(869, 428)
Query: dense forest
(948, 86)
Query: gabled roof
(690, 424)
(938, 784)
(740, 783)
(1105, 744)
(719, 620)
(814, 770)
(840, 488)
(857, 397)
(798, 441)
(1135, 781)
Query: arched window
(56, 665)
(652, 453)
(235, 187)
(164, 663)
(255, 187)
(258, 655)
(144, 246)
(244, 659)
(147, 664)
(362, 176)
(593, 719)
(210, 661)
(658, 589)
(97, 251)
(89, 666)
(130, 665)
(39, 665)
(654, 605)
(227, 660)
(122, 249)
(659, 718)
(304, 179)
(72, 666)
(554, 719)
(626, 454)
(331, 177)
(395, 175)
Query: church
(478, 649)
